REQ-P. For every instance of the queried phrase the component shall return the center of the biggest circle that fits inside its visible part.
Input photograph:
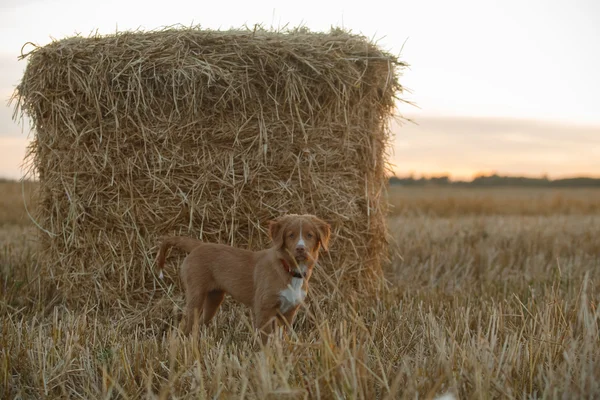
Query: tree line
(495, 180)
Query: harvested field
(451, 201)
(481, 304)
(13, 198)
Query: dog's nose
(300, 249)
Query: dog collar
(290, 271)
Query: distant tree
(440, 180)
(495, 180)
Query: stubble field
(493, 293)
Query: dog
(272, 282)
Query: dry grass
(453, 201)
(12, 210)
(482, 306)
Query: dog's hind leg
(194, 302)
(211, 305)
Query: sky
(500, 86)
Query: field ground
(452, 201)
(494, 293)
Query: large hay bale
(208, 134)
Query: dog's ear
(324, 232)
(276, 232)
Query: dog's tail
(186, 244)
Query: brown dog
(272, 282)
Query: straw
(209, 134)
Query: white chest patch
(292, 295)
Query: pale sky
(507, 86)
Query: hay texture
(208, 134)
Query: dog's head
(301, 235)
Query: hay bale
(208, 134)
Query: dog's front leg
(287, 319)
(264, 320)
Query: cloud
(11, 4)
(464, 146)
(12, 154)
(8, 127)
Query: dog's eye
(310, 236)
(291, 235)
